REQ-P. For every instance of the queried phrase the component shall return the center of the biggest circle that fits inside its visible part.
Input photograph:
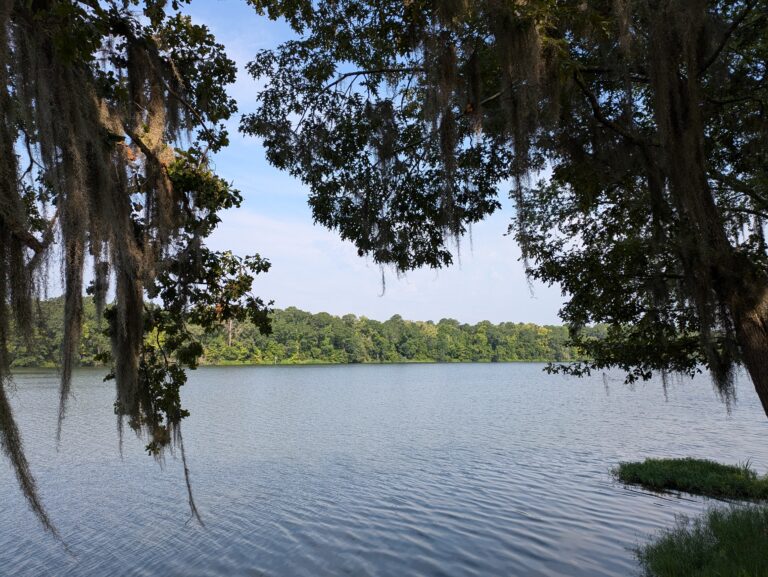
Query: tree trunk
(727, 288)
(752, 334)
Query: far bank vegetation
(301, 337)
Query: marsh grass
(696, 476)
(725, 542)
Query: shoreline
(315, 363)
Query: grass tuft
(730, 542)
(696, 476)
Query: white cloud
(314, 270)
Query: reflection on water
(366, 470)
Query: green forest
(300, 337)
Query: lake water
(428, 470)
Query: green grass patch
(722, 543)
(696, 476)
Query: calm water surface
(433, 470)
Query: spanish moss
(109, 113)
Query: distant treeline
(302, 337)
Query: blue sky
(312, 268)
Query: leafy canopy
(633, 133)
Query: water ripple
(460, 470)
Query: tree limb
(726, 37)
(357, 73)
(602, 119)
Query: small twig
(193, 508)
